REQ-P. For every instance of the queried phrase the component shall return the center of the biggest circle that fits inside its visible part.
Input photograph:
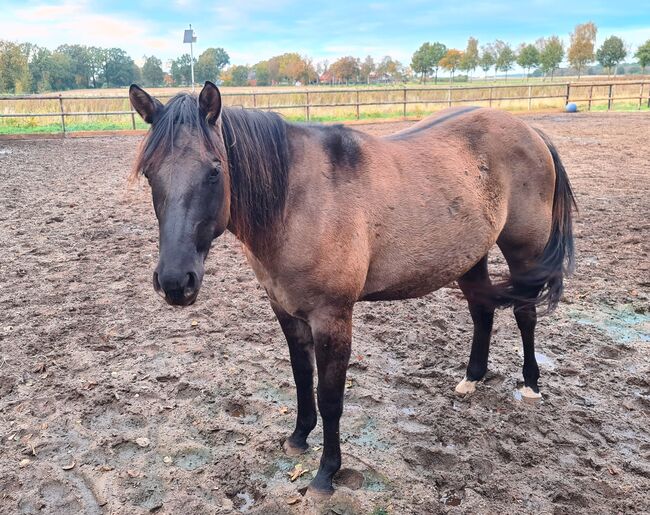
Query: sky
(253, 30)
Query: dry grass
(338, 103)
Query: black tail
(543, 283)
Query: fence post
(609, 97)
(641, 95)
(530, 96)
(568, 93)
(254, 100)
(357, 103)
(62, 114)
(491, 96)
(133, 120)
(404, 99)
(591, 95)
(449, 96)
(307, 109)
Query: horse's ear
(147, 106)
(210, 102)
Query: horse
(329, 216)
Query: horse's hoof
(293, 450)
(465, 387)
(530, 395)
(318, 494)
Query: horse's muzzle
(177, 289)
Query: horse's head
(183, 158)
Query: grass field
(327, 103)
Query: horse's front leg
(301, 351)
(332, 333)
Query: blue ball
(571, 108)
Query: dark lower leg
(301, 351)
(482, 316)
(526, 316)
(332, 341)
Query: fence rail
(404, 97)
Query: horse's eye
(214, 173)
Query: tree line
(28, 68)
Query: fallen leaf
(284, 410)
(167, 459)
(241, 441)
(194, 323)
(70, 466)
(349, 383)
(613, 470)
(294, 500)
(133, 473)
(24, 462)
(317, 448)
(297, 471)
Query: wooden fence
(585, 94)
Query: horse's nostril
(191, 284)
(156, 285)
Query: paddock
(111, 401)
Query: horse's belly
(415, 272)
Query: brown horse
(329, 216)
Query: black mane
(254, 149)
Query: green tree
(581, 50)
(14, 68)
(152, 72)
(40, 66)
(551, 54)
(237, 76)
(528, 57)
(487, 59)
(119, 68)
(61, 72)
(611, 52)
(422, 61)
(505, 57)
(643, 55)
(79, 63)
(451, 61)
(262, 75)
(210, 64)
(181, 70)
(470, 56)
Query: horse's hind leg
(301, 350)
(519, 259)
(473, 283)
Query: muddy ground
(113, 402)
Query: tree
(451, 61)
(345, 69)
(487, 59)
(210, 64)
(422, 61)
(79, 63)
(611, 52)
(14, 68)
(505, 57)
(181, 70)
(119, 68)
(367, 68)
(40, 67)
(643, 55)
(551, 54)
(528, 57)
(438, 51)
(261, 72)
(470, 56)
(236, 76)
(390, 68)
(581, 50)
(152, 72)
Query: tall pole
(192, 56)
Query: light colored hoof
(528, 394)
(317, 495)
(465, 387)
(292, 450)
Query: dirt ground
(113, 402)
